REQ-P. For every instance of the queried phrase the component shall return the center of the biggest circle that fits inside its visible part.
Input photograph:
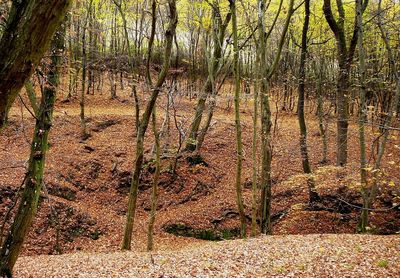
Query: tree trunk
(321, 119)
(219, 29)
(239, 144)
(33, 183)
(342, 101)
(369, 193)
(345, 54)
(313, 195)
(30, 27)
(154, 193)
(169, 35)
(266, 74)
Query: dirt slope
(87, 181)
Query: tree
(30, 27)
(144, 122)
(34, 177)
(118, 4)
(219, 30)
(313, 195)
(369, 191)
(264, 77)
(84, 134)
(345, 55)
(239, 144)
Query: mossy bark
(219, 30)
(143, 125)
(154, 191)
(33, 183)
(265, 76)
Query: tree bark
(30, 27)
(345, 54)
(369, 192)
(313, 195)
(144, 122)
(266, 74)
(219, 30)
(33, 183)
(239, 143)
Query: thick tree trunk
(345, 54)
(30, 27)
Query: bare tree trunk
(169, 35)
(154, 193)
(322, 124)
(130, 58)
(265, 77)
(219, 29)
(239, 144)
(254, 157)
(313, 195)
(30, 27)
(363, 113)
(369, 192)
(345, 54)
(84, 133)
(33, 183)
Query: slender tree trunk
(84, 133)
(169, 35)
(363, 114)
(369, 192)
(154, 193)
(130, 58)
(313, 195)
(342, 101)
(210, 89)
(33, 183)
(321, 119)
(254, 157)
(219, 29)
(239, 144)
(266, 74)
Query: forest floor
(268, 256)
(84, 203)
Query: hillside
(85, 201)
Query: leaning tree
(29, 29)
